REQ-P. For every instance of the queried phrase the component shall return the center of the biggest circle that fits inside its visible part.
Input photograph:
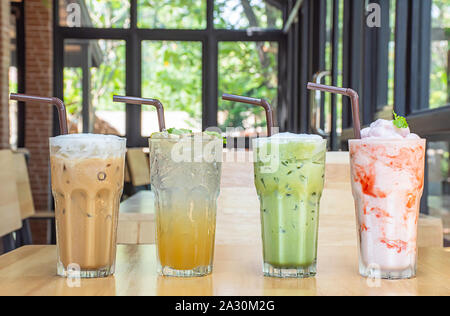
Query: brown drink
(87, 184)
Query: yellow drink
(185, 243)
(185, 176)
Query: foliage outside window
(243, 14)
(172, 14)
(106, 79)
(172, 73)
(249, 69)
(98, 13)
(440, 52)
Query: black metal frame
(133, 36)
(17, 8)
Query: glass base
(299, 272)
(197, 272)
(75, 272)
(375, 273)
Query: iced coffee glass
(289, 179)
(387, 183)
(87, 183)
(185, 176)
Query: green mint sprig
(400, 121)
(181, 131)
(215, 134)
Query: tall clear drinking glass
(387, 183)
(185, 176)
(87, 174)
(289, 178)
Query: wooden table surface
(141, 203)
(237, 271)
(137, 220)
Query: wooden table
(137, 220)
(237, 271)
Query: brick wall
(39, 81)
(5, 56)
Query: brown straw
(54, 101)
(347, 92)
(259, 102)
(140, 101)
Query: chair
(27, 209)
(10, 212)
(138, 169)
(23, 236)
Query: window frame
(18, 10)
(134, 36)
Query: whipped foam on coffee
(87, 146)
(383, 129)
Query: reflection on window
(248, 69)
(172, 73)
(440, 54)
(172, 14)
(439, 184)
(95, 13)
(101, 63)
(243, 14)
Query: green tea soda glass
(289, 179)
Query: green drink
(289, 178)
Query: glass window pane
(172, 14)
(439, 184)
(172, 73)
(243, 14)
(247, 69)
(440, 54)
(13, 85)
(391, 71)
(94, 13)
(13, 108)
(101, 63)
(328, 63)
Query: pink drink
(387, 182)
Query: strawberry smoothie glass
(387, 183)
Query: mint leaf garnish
(400, 121)
(216, 135)
(181, 131)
